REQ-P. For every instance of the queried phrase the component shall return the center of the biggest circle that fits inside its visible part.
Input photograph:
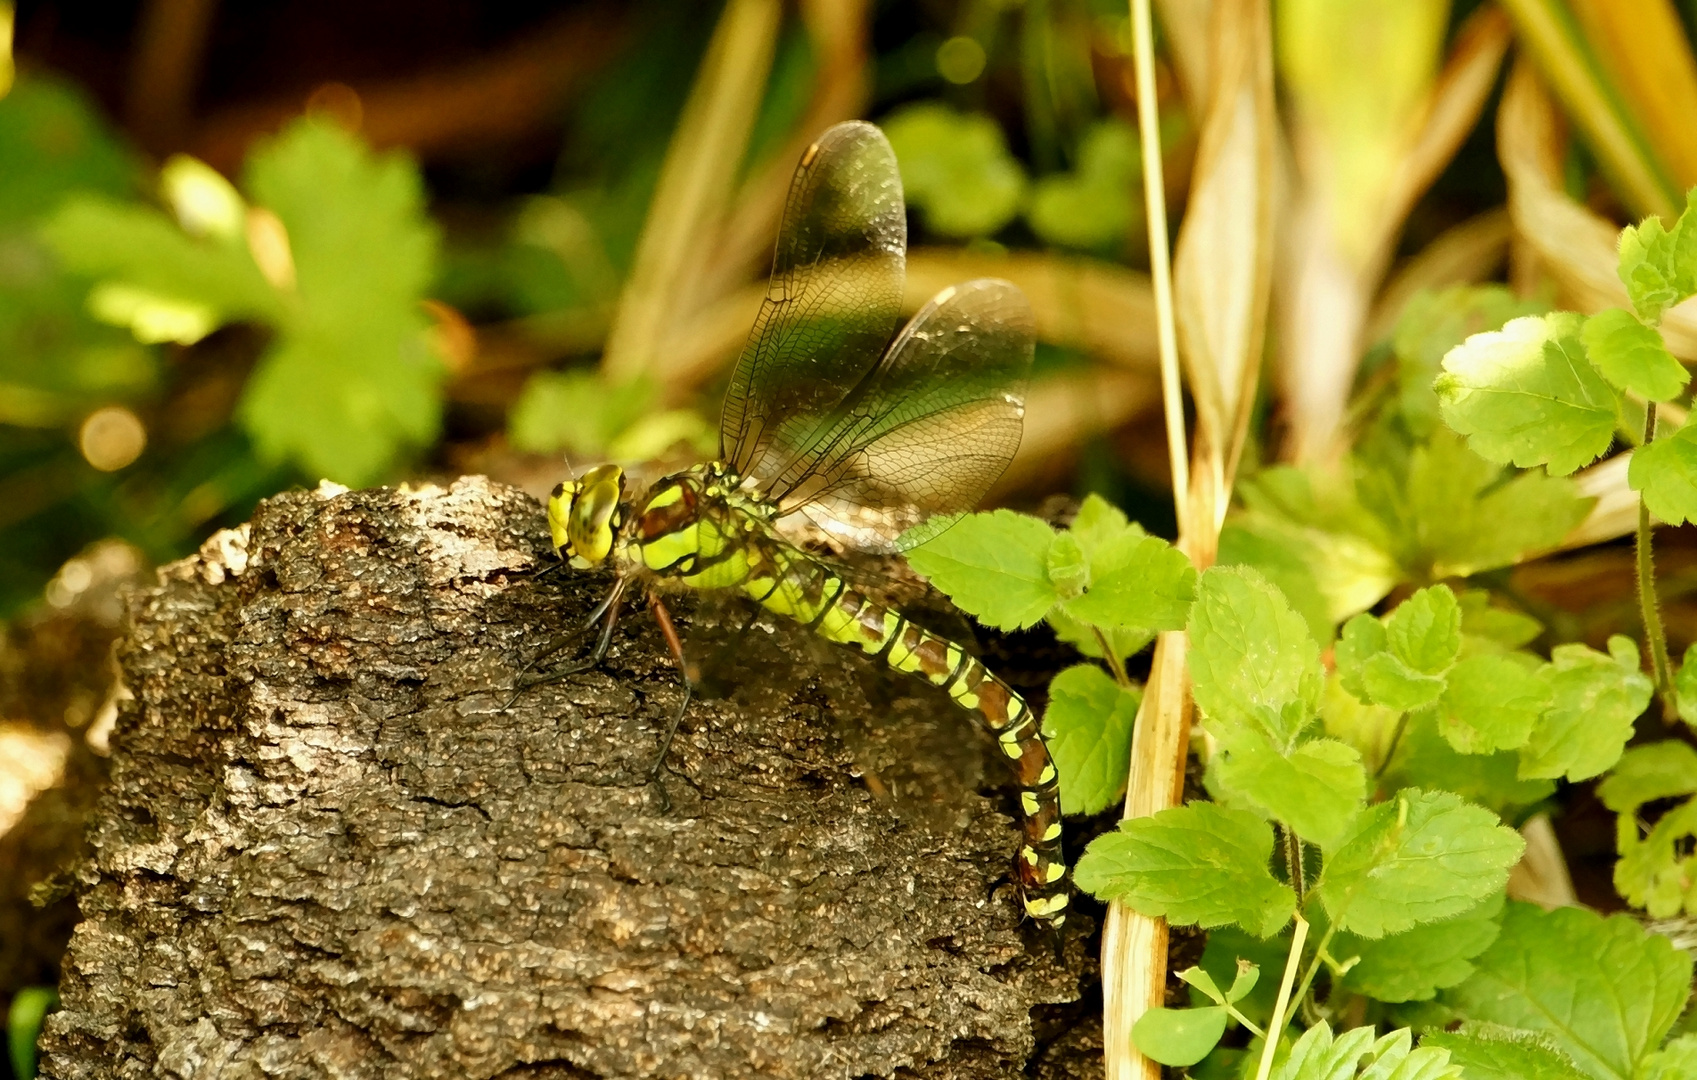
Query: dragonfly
(877, 437)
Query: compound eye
(590, 527)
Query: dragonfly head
(583, 515)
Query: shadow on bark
(326, 849)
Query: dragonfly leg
(663, 617)
(607, 609)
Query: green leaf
(1655, 871)
(1094, 207)
(1493, 1052)
(1425, 630)
(351, 381)
(575, 411)
(1491, 703)
(1318, 1056)
(53, 127)
(1460, 514)
(1526, 394)
(1390, 682)
(1675, 1061)
(955, 168)
(1431, 325)
(1099, 521)
(1658, 770)
(1251, 658)
(1605, 990)
(1088, 729)
(1200, 863)
(1363, 638)
(994, 566)
(1665, 472)
(30, 1007)
(1685, 686)
(1632, 357)
(1179, 1037)
(1069, 570)
(1123, 640)
(1423, 758)
(1594, 700)
(1415, 964)
(1659, 268)
(1138, 581)
(1509, 629)
(1231, 951)
(1316, 790)
(1282, 555)
(1421, 857)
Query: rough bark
(327, 849)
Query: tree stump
(327, 849)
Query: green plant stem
(1654, 635)
(1293, 862)
(1277, 1024)
(1390, 750)
(1115, 664)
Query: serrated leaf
(1390, 682)
(1685, 686)
(1594, 699)
(1605, 990)
(1179, 1037)
(1490, 703)
(1124, 641)
(994, 566)
(1631, 356)
(1510, 629)
(1316, 790)
(1138, 581)
(1658, 770)
(1665, 473)
(1655, 870)
(1493, 1052)
(1421, 857)
(1526, 394)
(1069, 569)
(1281, 554)
(1319, 1056)
(1363, 638)
(1252, 660)
(1088, 729)
(1424, 759)
(1415, 964)
(1200, 864)
(1675, 1061)
(1425, 630)
(1658, 267)
(1099, 521)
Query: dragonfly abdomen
(811, 594)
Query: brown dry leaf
(695, 183)
(1643, 48)
(1186, 26)
(1222, 270)
(1575, 245)
(1341, 235)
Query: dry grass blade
(1224, 262)
(1095, 307)
(1644, 49)
(1063, 410)
(837, 30)
(1547, 31)
(1186, 24)
(695, 182)
(1342, 234)
(1576, 246)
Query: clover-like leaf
(1632, 357)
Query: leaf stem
(1654, 635)
(1293, 862)
(1277, 1024)
(1390, 749)
(1115, 664)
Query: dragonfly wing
(832, 304)
(931, 427)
